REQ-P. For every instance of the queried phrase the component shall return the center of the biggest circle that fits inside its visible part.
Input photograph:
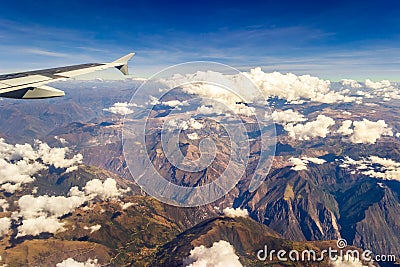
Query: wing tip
(124, 60)
(122, 63)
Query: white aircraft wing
(32, 84)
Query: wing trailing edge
(32, 84)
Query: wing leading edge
(32, 84)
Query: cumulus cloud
(377, 85)
(374, 166)
(365, 131)
(306, 131)
(351, 83)
(4, 204)
(93, 228)
(31, 206)
(35, 226)
(153, 101)
(383, 89)
(41, 214)
(238, 212)
(121, 108)
(193, 136)
(185, 124)
(71, 169)
(57, 156)
(174, 103)
(19, 163)
(292, 87)
(218, 92)
(105, 190)
(62, 140)
(11, 188)
(18, 171)
(5, 224)
(217, 99)
(221, 254)
(287, 116)
(371, 105)
(126, 205)
(70, 262)
(299, 164)
(345, 128)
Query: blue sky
(331, 39)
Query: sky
(330, 39)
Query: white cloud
(5, 224)
(70, 262)
(299, 164)
(4, 205)
(56, 156)
(219, 99)
(174, 103)
(292, 87)
(71, 169)
(93, 228)
(377, 85)
(11, 188)
(120, 108)
(193, 136)
(31, 206)
(18, 163)
(238, 212)
(185, 124)
(105, 190)
(287, 116)
(351, 83)
(367, 132)
(18, 171)
(194, 124)
(37, 225)
(126, 205)
(345, 128)
(221, 254)
(205, 110)
(373, 166)
(314, 160)
(62, 140)
(306, 131)
(286, 86)
(371, 104)
(383, 89)
(42, 213)
(153, 101)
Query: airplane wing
(32, 84)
